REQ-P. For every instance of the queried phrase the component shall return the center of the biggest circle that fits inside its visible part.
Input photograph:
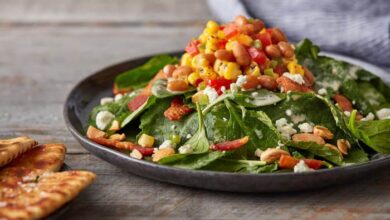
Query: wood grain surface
(47, 46)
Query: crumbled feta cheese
(285, 128)
(241, 80)
(106, 100)
(258, 152)
(188, 136)
(288, 112)
(103, 119)
(233, 87)
(185, 149)
(166, 144)
(384, 113)
(118, 97)
(347, 113)
(353, 102)
(295, 77)
(211, 94)
(280, 144)
(223, 89)
(254, 94)
(131, 94)
(301, 167)
(368, 117)
(224, 119)
(322, 91)
(305, 127)
(173, 127)
(297, 118)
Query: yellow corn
(193, 78)
(207, 73)
(229, 70)
(146, 140)
(186, 60)
(211, 44)
(203, 37)
(199, 61)
(220, 34)
(212, 27)
(252, 69)
(244, 39)
(294, 68)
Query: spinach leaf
(333, 156)
(241, 166)
(306, 49)
(192, 161)
(375, 133)
(355, 155)
(118, 108)
(257, 98)
(140, 76)
(199, 141)
(149, 102)
(159, 89)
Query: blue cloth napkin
(360, 29)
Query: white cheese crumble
(384, 113)
(298, 118)
(288, 112)
(188, 136)
(103, 119)
(295, 77)
(185, 149)
(301, 167)
(258, 152)
(368, 117)
(322, 91)
(254, 94)
(305, 127)
(285, 128)
(233, 87)
(224, 119)
(211, 94)
(118, 97)
(173, 127)
(335, 85)
(347, 113)
(241, 80)
(223, 89)
(106, 100)
(166, 144)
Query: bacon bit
(124, 145)
(177, 110)
(230, 145)
(288, 85)
(117, 90)
(137, 102)
(105, 142)
(93, 132)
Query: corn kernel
(193, 78)
(252, 69)
(207, 73)
(245, 39)
(211, 44)
(212, 27)
(146, 140)
(199, 61)
(186, 60)
(295, 68)
(203, 37)
(220, 34)
(229, 70)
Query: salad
(241, 98)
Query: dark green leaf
(140, 76)
(149, 102)
(333, 156)
(257, 98)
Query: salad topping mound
(243, 99)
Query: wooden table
(47, 46)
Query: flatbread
(37, 198)
(34, 162)
(11, 148)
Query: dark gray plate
(86, 94)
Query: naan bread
(11, 148)
(37, 198)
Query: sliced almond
(343, 146)
(323, 132)
(118, 137)
(161, 153)
(136, 154)
(93, 132)
(115, 126)
(305, 137)
(272, 154)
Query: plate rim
(81, 137)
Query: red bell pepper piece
(218, 83)
(230, 31)
(312, 163)
(230, 145)
(288, 162)
(265, 39)
(145, 151)
(257, 55)
(192, 47)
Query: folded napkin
(359, 29)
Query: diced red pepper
(230, 31)
(137, 102)
(288, 162)
(145, 151)
(222, 44)
(192, 47)
(230, 145)
(265, 39)
(257, 55)
(218, 83)
(177, 110)
(312, 163)
(280, 69)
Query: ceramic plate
(87, 94)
